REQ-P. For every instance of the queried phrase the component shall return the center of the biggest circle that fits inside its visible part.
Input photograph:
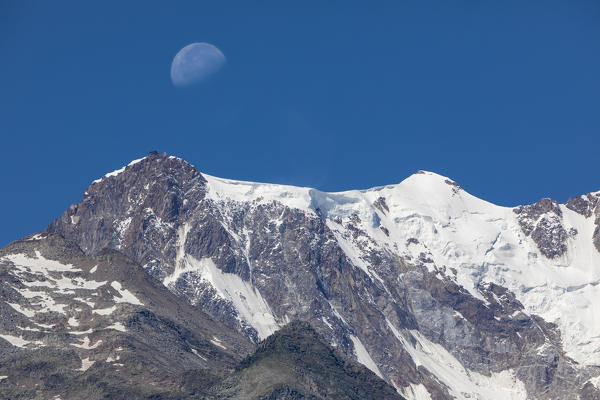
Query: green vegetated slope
(296, 363)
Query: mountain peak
(152, 161)
(430, 178)
(151, 190)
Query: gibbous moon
(195, 62)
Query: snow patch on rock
(126, 295)
(86, 363)
(246, 299)
(462, 382)
(415, 392)
(363, 356)
(19, 341)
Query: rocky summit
(165, 282)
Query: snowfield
(481, 241)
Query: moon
(196, 62)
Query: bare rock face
(586, 205)
(382, 274)
(589, 206)
(543, 222)
(135, 211)
(381, 205)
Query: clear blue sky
(503, 96)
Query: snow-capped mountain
(440, 293)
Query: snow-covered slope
(482, 242)
(443, 294)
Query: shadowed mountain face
(441, 294)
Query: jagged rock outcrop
(542, 221)
(588, 206)
(440, 293)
